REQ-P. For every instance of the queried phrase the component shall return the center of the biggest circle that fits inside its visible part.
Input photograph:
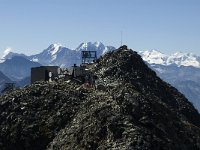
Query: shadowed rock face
(133, 109)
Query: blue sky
(29, 26)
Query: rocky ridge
(131, 108)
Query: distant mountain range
(182, 70)
(177, 59)
(17, 67)
(131, 109)
(58, 55)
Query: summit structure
(131, 108)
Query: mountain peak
(182, 54)
(152, 52)
(178, 58)
(6, 52)
(54, 48)
(131, 108)
(55, 45)
(10, 55)
(153, 57)
(98, 44)
(99, 47)
(90, 45)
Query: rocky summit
(131, 108)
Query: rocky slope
(130, 109)
(185, 79)
(3, 79)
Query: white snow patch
(35, 59)
(178, 58)
(55, 48)
(5, 53)
(153, 57)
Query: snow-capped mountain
(184, 59)
(10, 55)
(182, 70)
(56, 54)
(96, 46)
(154, 57)
(178, 58)
(47, 55)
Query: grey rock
(134, 109)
